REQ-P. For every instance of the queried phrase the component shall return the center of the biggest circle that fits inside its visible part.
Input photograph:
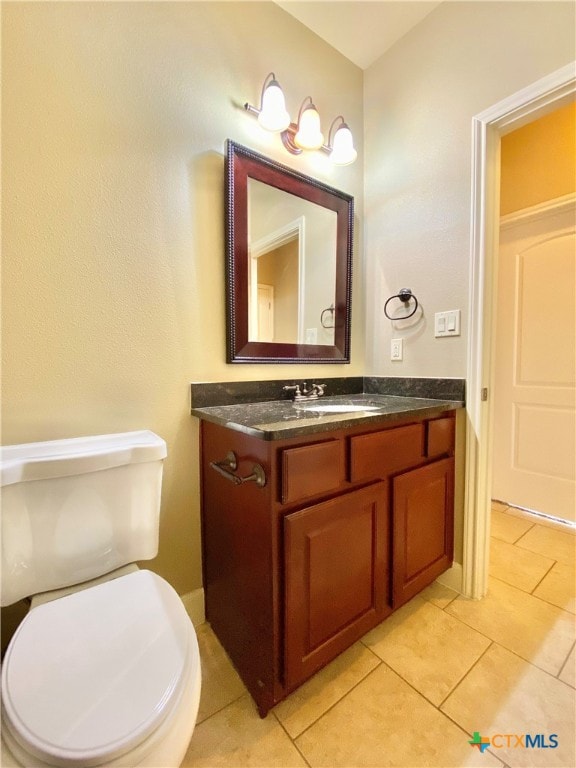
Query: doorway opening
(542, 97)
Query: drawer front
(381, 453)
(312, 469)
(440, 437)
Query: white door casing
(534, 457)
(546, 94)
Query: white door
(534, 388)
(265, 312)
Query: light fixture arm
(328, 147)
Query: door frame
(522, 107)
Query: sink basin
(340, 408)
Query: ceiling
(363, 30)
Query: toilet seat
(89, 676)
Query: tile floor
(414, 690)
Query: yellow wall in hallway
(538, 161)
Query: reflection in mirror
(288, 263)
(292, 253)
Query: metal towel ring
(404, 294)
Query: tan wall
(114, 121)
(420, 98)
(538, 161)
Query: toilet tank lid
(78, 455)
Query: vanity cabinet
(350, 524)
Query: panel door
(534, 396)
(423, 527)
(336, 577)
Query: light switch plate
(447, 323)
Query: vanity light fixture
(272, 114)
(341, 146)
(306, 133)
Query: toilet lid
(87, 677)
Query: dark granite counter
(279, 419)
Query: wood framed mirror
(288, 264)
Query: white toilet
(104, 670)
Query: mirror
(288, 264)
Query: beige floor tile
(539, 632)
(559, 587)
(508, 527)
(505, 695)
(544, 520)
(568, 674)
(221, 684)
(516, 566)
(499, 506)
(416, 637)
(549, 542)
(316, 696)
(238, 737)
(384, 722)
(438, 594)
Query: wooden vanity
(351, 523)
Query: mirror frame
(241, 164)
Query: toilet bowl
(106, 676)
(104, 669)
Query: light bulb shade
(309, 135)
(343, 152)
(273, 115)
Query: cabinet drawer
(312, 469)
(440, 437)
(381, 453)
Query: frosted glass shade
(343, 152)
(309, 135)
(273, 115)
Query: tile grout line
(555, 562)
(465, 675)
(292, 740)
(222, 708)
(536, 597)
(380, 662)
(564, 664)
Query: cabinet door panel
(423, 527)
(337, 577)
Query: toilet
(104, 669)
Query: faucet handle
(293, 388)
(320, 389)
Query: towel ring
(404, 294)
(330, 309)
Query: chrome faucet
(315, 391)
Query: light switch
(447, 323)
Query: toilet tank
(73, 510)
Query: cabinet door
(423, 527)
(336, 577)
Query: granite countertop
(279, 419)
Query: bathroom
(115, 118)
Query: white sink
(340, 408)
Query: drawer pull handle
(227, 467)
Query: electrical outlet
(396, 349)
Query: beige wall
(115, 117)
(420, 99)
(538, 161)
